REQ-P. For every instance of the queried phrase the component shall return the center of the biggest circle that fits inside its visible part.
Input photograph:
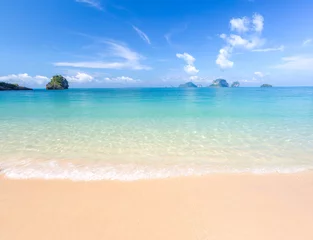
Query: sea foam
(54, 170)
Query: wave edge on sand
(55, 170)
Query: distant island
(58, 82)
(188, 85)
(235, 84)
(216, 83)
(219, 83)
(9, 87)
(265, 85)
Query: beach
(156, 164)
(156, 120)
(217, 206)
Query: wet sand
(210, 207)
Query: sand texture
(211, 207)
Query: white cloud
(85, 78)
(41, 79)
(251, 40)
(142, 35)
(80, 78)
(121, 79)
(201, 80)
(258, 22)
(99, 65)
(130, 59)
(121, 50)
(223, 36)
(281, 48)
(235, 41)
(92, 3)
(193, 78)
(223, 58)
(253, 80)
(307, 42)
(296, 63)
(238, 41)
(244, 24)
(190, 67)
(24, 78)
(239, 24)
(187, 58)
(259, 74)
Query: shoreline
(128, 172)
(219, 206)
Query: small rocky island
(58, 82)
(219, 83)
(235, 84)
(265, 85)
(188, 85)
(11, 87)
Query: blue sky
(120, 43)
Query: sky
(156, 43)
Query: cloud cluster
(250, 31)
(85, 78)
(223, 58)
(189, 67)
(80, 78)
(258, 22)
(240, 24)
(24, 78)
(121, 79)
(129, 59)
(253, 80)
(259, 74)
(246, 24)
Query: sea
(149, 133)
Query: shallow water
(128, 134)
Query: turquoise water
(129, 134)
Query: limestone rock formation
(219, 83)
(58, 82)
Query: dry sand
(212, 207)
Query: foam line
(123, 172)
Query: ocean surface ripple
(132, 134)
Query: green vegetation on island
(265, 85)
(58, 82)
(219, 83)
(11, 86)
(235, 84)
(188, 85)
